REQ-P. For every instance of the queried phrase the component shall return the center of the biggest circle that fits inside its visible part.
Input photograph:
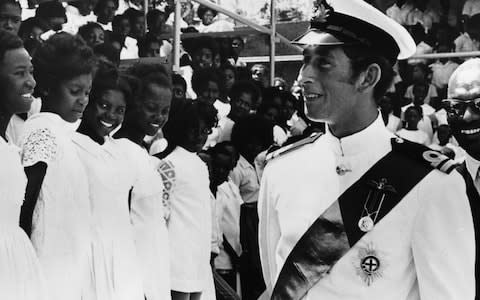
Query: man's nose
(471, 114)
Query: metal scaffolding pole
(176, 36)
(273, 27)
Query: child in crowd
(189, 224)
(410, 132)
(56, 213)
(420, 74)
(92, 33)
(427, 112)
(392, 122)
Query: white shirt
(245, 177)
(228, 214)
(14, 131)
(394, 123)
(471, 7)
(417, 136)
(419, 252)
(441, 73)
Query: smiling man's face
(463, 106)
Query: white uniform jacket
(425, 246)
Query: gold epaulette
(288, 148)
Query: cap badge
(321, 11)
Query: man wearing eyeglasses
(463, 115)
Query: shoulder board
(276, 152)
(424, 155)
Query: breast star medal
(373, 203)
(369, 267)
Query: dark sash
(325, 242)
(474, 199)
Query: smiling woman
(61, 229)
(20, 275)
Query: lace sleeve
(39, 146)
(167, 172)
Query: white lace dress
(110, 178)
(61, 225)
(21, 277)
(148, 219)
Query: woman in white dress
(110, 178)
(21, 277)
(56, 213)
(189, 225)
(146, 115)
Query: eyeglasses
(458, 107)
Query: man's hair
(3, 3)
(361, 58)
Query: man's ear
(369, 78)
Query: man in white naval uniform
(421, 248)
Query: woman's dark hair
(107, 78)
(177, 129)
(85, 30)
(8, 41)
(252, 131)
(144, 43)
(202, 9)
(101, 5)
(245, 86)
(178, 79)
(132, 14)
(117, 20)
(62, 57)
(201, 78)
(108, 51)
(153, 15)
(30, 23)
(142, 75)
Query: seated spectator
(442, 69)
(260, 74)
(137, 23)
(469, 40)
(445, 146)
(79, 13)
(187, 13)
(418, 16)
(149, 46)
(92, 33)
(156, 23)
(399, 11)
(52, 13)
(237, 47)
(229, 76)
(244, 97)
(413, 115)
(470, 8)
(121, 30)
(202, 51)
(209, 23)
(32, 29)
(107, 52)
(179, 90)
(10, 16)
(420, 74)
(105, 11)
(392, 122)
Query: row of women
(85, 212)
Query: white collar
(57, 121)
(472, 165)
(361, 141)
